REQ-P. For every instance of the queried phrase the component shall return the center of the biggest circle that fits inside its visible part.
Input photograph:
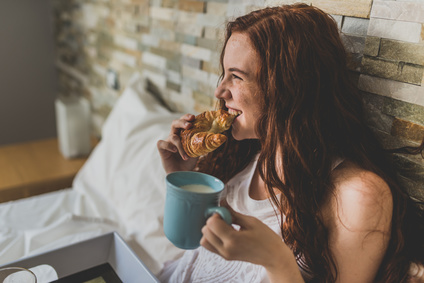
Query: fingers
(166, 146)
(242, 220)
(209, 240)
(220, 238)
(173, 142)
(183, 123)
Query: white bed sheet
(120, 188)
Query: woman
(312, 190)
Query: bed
(120, 188)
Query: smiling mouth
(234, 112)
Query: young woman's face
(239, 87)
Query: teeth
(234, 112)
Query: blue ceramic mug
(191, 197)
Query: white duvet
(120, 188)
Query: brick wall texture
(176, 44)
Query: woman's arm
(358, 217)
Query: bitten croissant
(205, 135)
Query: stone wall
(176, 44)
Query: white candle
(73, 126)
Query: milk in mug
(198, 188)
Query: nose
(222, 91)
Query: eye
(236, 77)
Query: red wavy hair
(312, 113)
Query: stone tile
(407, 130)
(338, 19)
(189, 29)
(372, 46)
(353, 44)
(157, 79)
(184, 102)
(196, 52)
(418, 1)
(211, 20)
(163, 33)
(216, 8)
(189, 83)
(160, 13)
(355, 26)
(126, 42)
(171, 46)
(153, 60)
(403, 110)
(235, 10)
(285, 2)
(402, 91)
(174, 64)
(409, 167)
(396, 10)
(191, 62)
(75, 73)
(412, 187)
(150, 40)
(187, 39)
(173, 86)
(402, 51)
(173, 76)
(172, 4)
(374, 115)
(187, 18)
(100, 70)
(350, 8)
(211, 67)
(192, 6)
(398, 30)
(215, 34)
(169, 55)
(393, 70)
(219, 1)
(211, 44)
(124, 58)
(195, 74)
(391, 142)
(203, 99)
(199, 108)
(206, 89)
(354, 61)
(170, 25)
(213, 80)
(155, 3)
(91, 14)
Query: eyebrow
(238, 70)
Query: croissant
(205, 135)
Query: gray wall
(27, 72)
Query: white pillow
(124, 171)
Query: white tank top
(201, 265)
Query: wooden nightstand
(32, 168)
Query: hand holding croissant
(205, 135)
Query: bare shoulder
(361, 200)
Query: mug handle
(222, 211)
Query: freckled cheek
(242, 97)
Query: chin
(239, 135)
